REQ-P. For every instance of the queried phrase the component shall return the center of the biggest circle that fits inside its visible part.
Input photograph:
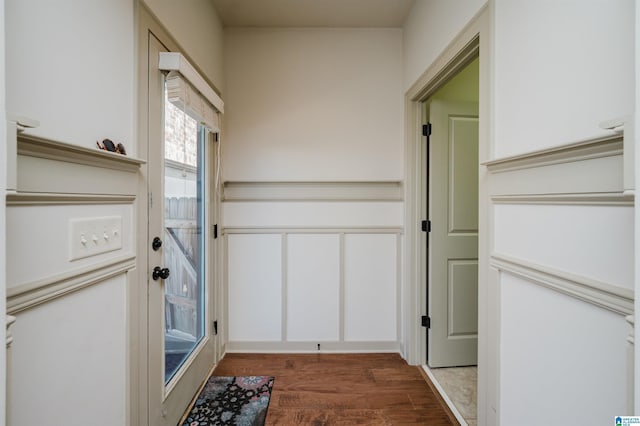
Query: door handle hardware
(159, 272)
(156, 244)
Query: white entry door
(180, 262)
(452, 273)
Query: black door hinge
(215, 328)
(426, 321)
(426, 129)
(215, 231)
(426, 226)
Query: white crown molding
(314, 191)
(604, 295)
(28, 295)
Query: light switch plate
(93, 236)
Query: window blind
(190, 92)
(184, 96)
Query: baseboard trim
(312, 347)
(604, 295)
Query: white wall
(428, 29)
(197, 29)
(560, 68)
(313, 104)
(70, 65)
(592, 44)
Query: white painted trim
(314, 191)
(311, 230)
(174, 61)
(580, 199)
(35, 146)
(312, 347)
(631, 321)
(475, 37)
(600, 147)
(10, 320)
(604, 295)
(584, 173)
(28, 295)
(284, 280)
(444, 396)
(52, 199)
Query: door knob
(159, 272)
(156, 244)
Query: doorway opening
(450, 204)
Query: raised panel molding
(604, 295)
(288, 341)
(314, 191)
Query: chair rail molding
(604, 295)
(28, 295)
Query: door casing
(474, 40)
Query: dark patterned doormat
(232, 401)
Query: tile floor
(460, 385)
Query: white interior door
(453, 241)
(180, 261)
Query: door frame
(474, 40)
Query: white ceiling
(313, 13)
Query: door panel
(453, 241)
(181, 347)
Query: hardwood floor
(342, 389)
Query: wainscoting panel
(591, 241)
(313, 287)
(562, 261)
(255, 287)
(577, 352)
(304, 290)
(71, 332)
(39, 238)
(71, 346)
(370, 288)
